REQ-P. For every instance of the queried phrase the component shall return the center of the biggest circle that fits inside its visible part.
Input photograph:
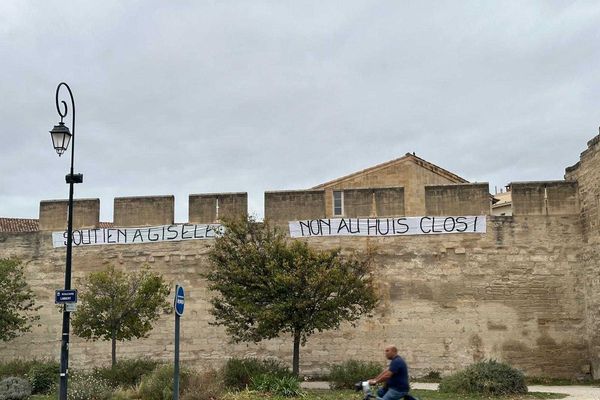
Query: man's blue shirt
(399, 379)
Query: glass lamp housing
(61, 136)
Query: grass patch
(435, 395)
(541, 380)
(421, 394)
(352, 395)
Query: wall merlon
(571, 169)
(53, 214)
(544, 198)
(207, 208)
(458, 199)
(289, 205)
(144, 210)
(593, 141)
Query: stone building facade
(525, 292)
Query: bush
(431, 376)
(487, 378)
(203, 386)
(14, 388)
(16, 368)
(127, 372)
(44, 376)
(345, 375)
(238, 372)
(286, 386)
(158, 385)
(124, 394)
(88, 387)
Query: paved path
(574, 392)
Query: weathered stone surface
(144, 210)
(53, 214)
(443, 309)
(213, 207)
(587, 175)
(526, 292)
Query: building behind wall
(503, 203)
(524, 292)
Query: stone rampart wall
(587, 174)
(526, 292)
(514, 293)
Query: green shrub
(345, 375)
(16, 367)
(431, 376)
(88, 387)
(487, 378)
(238, 372)
(124, 394)
(127, 372)
(44, 376)
(14, 388)
(286, 386)
(203, 386)
(158, 385)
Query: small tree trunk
(114, 349)
(296, 359)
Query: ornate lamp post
(61, 136)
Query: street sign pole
(178, 305)
(68, 298)
(176, 370)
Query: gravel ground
(574, 392)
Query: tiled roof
(32, 225)
(19, 225)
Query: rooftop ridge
(407, 157)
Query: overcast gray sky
(180, 97)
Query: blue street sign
(179, 300)
(65, 296)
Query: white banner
(151, 234)
(393, 226)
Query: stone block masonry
(144, 210)
(210, 208)
(526, 292)
(515, 294)
(587, 175)
(53, 213)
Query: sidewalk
(575, 392)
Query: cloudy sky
(180, 97)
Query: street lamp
(61, 136)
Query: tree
(120, 306)
(17, 301)
(267, 285)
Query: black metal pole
(64, 348)
(176, 367)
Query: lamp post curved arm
(63, 113)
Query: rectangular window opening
(338, 203)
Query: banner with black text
(150, 234)
(392, 226)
